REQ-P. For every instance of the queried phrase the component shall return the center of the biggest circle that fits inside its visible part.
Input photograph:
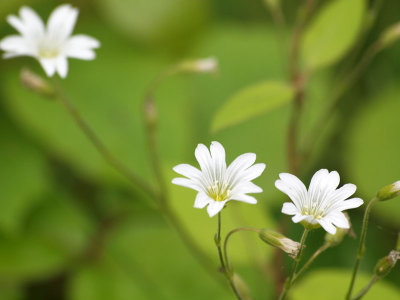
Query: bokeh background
(72, 228)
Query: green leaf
(332, 284)
(332, 33)
(56, 231)
(251, 102)
(372, 146)
(108, 92)
(23, 177)
(103, 281)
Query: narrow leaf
(251, 102)
(332, 33)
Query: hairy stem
(361, 247)
(290, 279)
(228, 274)
(311, 260)
(366, 288)
(100, 146)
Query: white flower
(322, 204)
(217, 184)
(50, 44)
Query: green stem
(228, 265)
(99, 145)
(337, 95)
(366, 288)
(149, 112)
(228, 274)
(311, 260)
(361, 247)
(289, 280)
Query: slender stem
(366, 288)
(337, 95)
(289, 280)
(99, 145)
(311, 260)
(228, 265)
(361, 246)
(150, 118)
(228, 273)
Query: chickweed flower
(323, 204)
(50, 44)
(216, 183)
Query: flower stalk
(290, 280)
(361, 246)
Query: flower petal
(289, 208)
(293, 187)
(16, 45)
(247, 187)
(252, 172)
(215, 207)
(203, 157)
(327, 226)
(241, 163)
(29, 24)
(245, 198)
(187, 171)
(80, 46)
(62, 66)
(61, 22)
(338, 219)
(218, 158)
(187, 183)
(49, 66)
(202, 200)
(298, 218)
(350, 203)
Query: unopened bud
(390, 35)
(241, 287)
(278, 240)
(205, 65)
(389, 191)
(386, 264)
(337, 238)
(36, 83)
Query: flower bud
(205, 65)
(278, 240)
(337, 238)
(389, 191)
(241, 287)
(386, 264)
(390, 35)
(36, 83)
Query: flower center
(314, 210)
(219, 191)
(48, 53)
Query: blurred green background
(72, 228)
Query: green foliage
(331, 284)
(332, 33)
(372, 148)
(111, 103)
(23, 177)
(252, 101)
(169, 19)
